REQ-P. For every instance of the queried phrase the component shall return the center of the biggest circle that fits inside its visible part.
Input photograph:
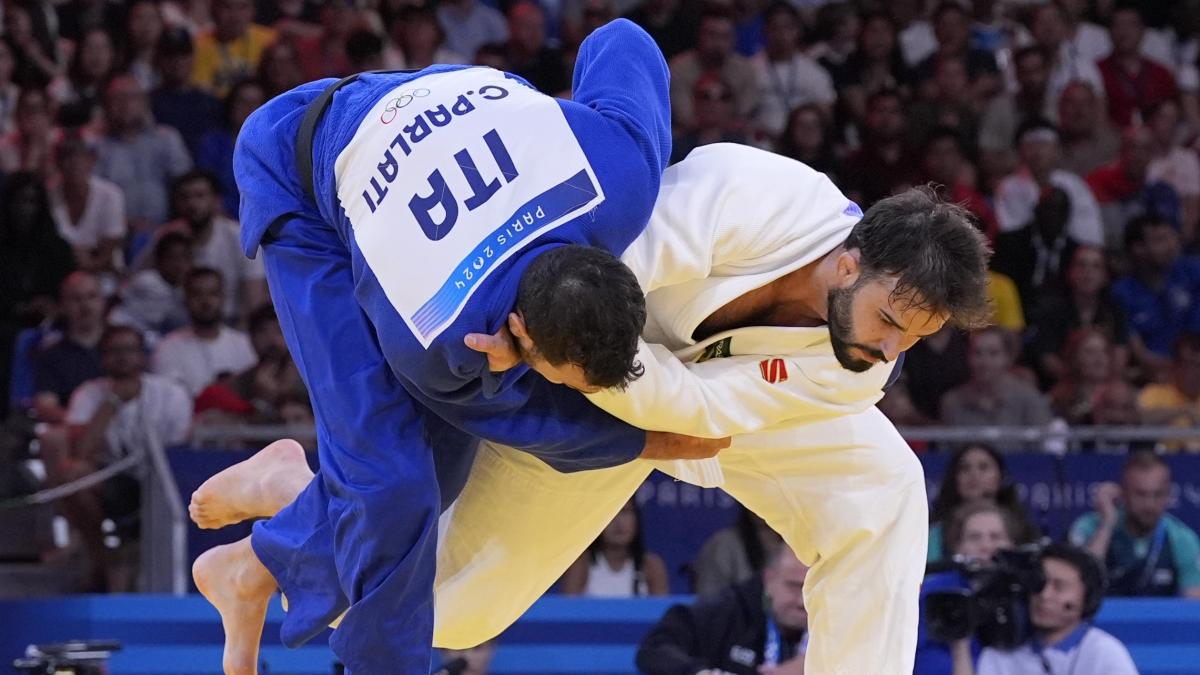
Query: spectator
(1049, 28)
(290, 19)
(916, 37)
(231, 51)
(324, 54)
(470, 24)
(994, 396)
(1064, 639)
(735, 554)
(92, 65)
(617, 564)
(41, 55)
(527, 52)
(215, 151)
(216, 241)
(1085, 39)
(418, 40)
(876, 66)
(807, 138)
(1176, 401)
(279, 69)
(712, 105)
(758, 626)
(29, 146)
(1132, 81)
(152, 299)
(178, 102)
(1146, 550)
(1091, 362)
(76, 17)
(204, 350)
(71, 357)
(934, 366)
(1035, 256)
(672, 23)
(975, 533)
(713, 53)
(1088, 140)
(1174, 165)
(1004, 114)
(88, 210)
(364, 51)
(976, 474)
(475, 661)
(1124, 189)
(839, 26)
(952, 26)
(138, 155)
(884, 165)
(1115, 405)
(787, 77)
(949, 102)
(109, 418)
(1086, 303)
(1161, 296)
(143, 31)
(9, 90)
(946, 165)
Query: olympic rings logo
(395, 105)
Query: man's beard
(841, 331)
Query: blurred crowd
(1069, 128)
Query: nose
(891, 347)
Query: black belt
(308, 129)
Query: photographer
(1064, 641)
(975, 532)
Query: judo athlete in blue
(440, 201)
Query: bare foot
(256, 488)
(238, 585)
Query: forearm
(90, 442)
(960, 658)
(1098, 543)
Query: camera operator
(974, 533)
(1064, 641)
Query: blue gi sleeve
(621, 73)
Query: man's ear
(849, 267)
(516, 325)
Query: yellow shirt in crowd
(219, 65)
(1167, 397)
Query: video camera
(994, 606)
(68, 658)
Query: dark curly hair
(583, 306)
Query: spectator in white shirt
(787, 78)
(206, 349)
(1064, 640)
(1173, 164)
(1050, 32)
(88, 210)
(152, 299)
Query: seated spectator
(1064, 639)
(994, 395)
(1018, 194)
(787, 77)
(1089, 40)
(948, 103)
(1091, 362)
(952, 27)
(29, 146)
(143, 31)
(230, 52)
(528, 54)
(215, 151)
(1087, 302)
(290, 19)
(713, 53)
(10, 91)
(93, 62)
(71, 357)
(470, 24)
(672, 23)
(152, 300)
(884, 164)
(946, 165)
(1132, 81)
(975, 474)
(933, 367)
(1176, 402)
(417, 40)
(875, 66)
(808, 138)
(364, 51)
(757, 626)
(1004, 114)
(177, 102)
(1174, 165)
(915, 33)
(712, 105)
(324, 54)
(1161, 296)
(975, 533)
(735, 554)
(88, 210)
(1088, 139)
(204, 350)
(216, 243)
(136, 154)
(839, 30)
(617, 564)
(279, 70)
(109, 418)
(1146, 550)
(1049, 29)
(1125, 191)
(473, 661)
(1035, 256)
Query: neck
(76, 188)
(1139, 529)
(1130, 62)
(207, 331)
(614, 555)
(780, 52)
(1085, 301)
(1056, 635)
(201, 229)
(85, 336)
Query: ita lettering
(424, 204)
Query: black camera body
(77, 657)
(994, 607)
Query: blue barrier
(182, 636)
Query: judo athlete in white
(777, 313)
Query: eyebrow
(891, 320)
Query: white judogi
(810, 453)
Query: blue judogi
(414, 241)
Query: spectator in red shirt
(1132, 81)
(1125, 190)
